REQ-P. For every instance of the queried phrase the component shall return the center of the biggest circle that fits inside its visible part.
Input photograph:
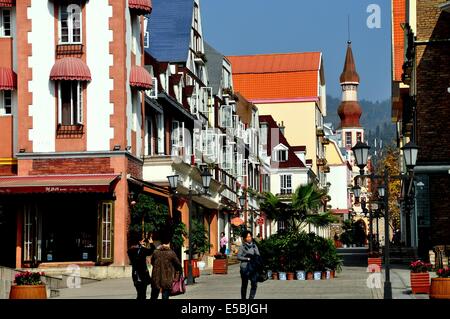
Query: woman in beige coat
(165, 265)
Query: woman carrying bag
(250, 260)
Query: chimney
(281, 127)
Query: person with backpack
(250, 266)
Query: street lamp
(173, 183)
(357, 191)
(242, 201)
(361, 151)
(410, 152)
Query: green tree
(148, 216)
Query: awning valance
(140, 78)
(8, 79)
(143, 6)
(90, 183)
(7, 3)
(70, 69)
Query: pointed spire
(349, 74)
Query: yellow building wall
(332, 154)
(300, 124)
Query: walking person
(247, 255)
(223, 243)
(138, 254)
(165, 265)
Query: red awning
(91, 183)
(143, 6)
(70, 69)
(8, 79)
(140, 78)
(6, 3)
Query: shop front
(59, 219)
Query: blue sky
(237, 27)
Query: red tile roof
(293, 161)
(277, 77)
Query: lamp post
(173, 183)
(361, 152)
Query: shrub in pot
(28, 285)
(440, 286)
(420, 277)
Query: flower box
(195, 269)
(420, 282)
(371, 261)
(28, 292)
(220, 266)
(440, 288)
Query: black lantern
(410, 152)
(206, 179)
(381, 191)
(173, 181)
(357, 191)
(242, 201)
(361, 152)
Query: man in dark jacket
(248, 256)
(138, 253)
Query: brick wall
(134, 168)
(100, 165)
(433, 79)
(8, 170)
(433, 112)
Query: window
(5, 102)
(146, 34)
(226, 116)
(105, 247)
(286, 184)
(359, 137)
(5, 22)
(70, 23)
(348, 139)
(280, 155)
(70, 106)
(160, 133)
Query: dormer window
(280, 153)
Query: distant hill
(376, 119)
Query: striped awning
(8, 79)
(143, 6)
(140, 78)
(88, 183)
(70, 69)
(7, 3)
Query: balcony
(320, 132)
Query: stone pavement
(351, 283)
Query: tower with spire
(350, 130)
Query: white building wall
(42, 110)
(338, 188)
(299, 177)
(99, 108)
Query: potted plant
(200, 246)
(220, 264)
(440, 286)
(374, 258)
(419, 277)
(28, 285)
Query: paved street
(351, 283)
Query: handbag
(178, 286)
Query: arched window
(70, 23)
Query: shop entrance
(7, 235)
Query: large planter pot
(420, 282)
(28, 292)
(374, 264)
(317, 275)
(274, 275)
(300, 274)
(290, 276)
(309, 275)
(282, 275)
(440, 288)
(220, 266)
(269, 274)
(333, 274)
(195, 269)
(326, 275)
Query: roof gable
(214, 66)
(169, 27)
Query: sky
(238, 27)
